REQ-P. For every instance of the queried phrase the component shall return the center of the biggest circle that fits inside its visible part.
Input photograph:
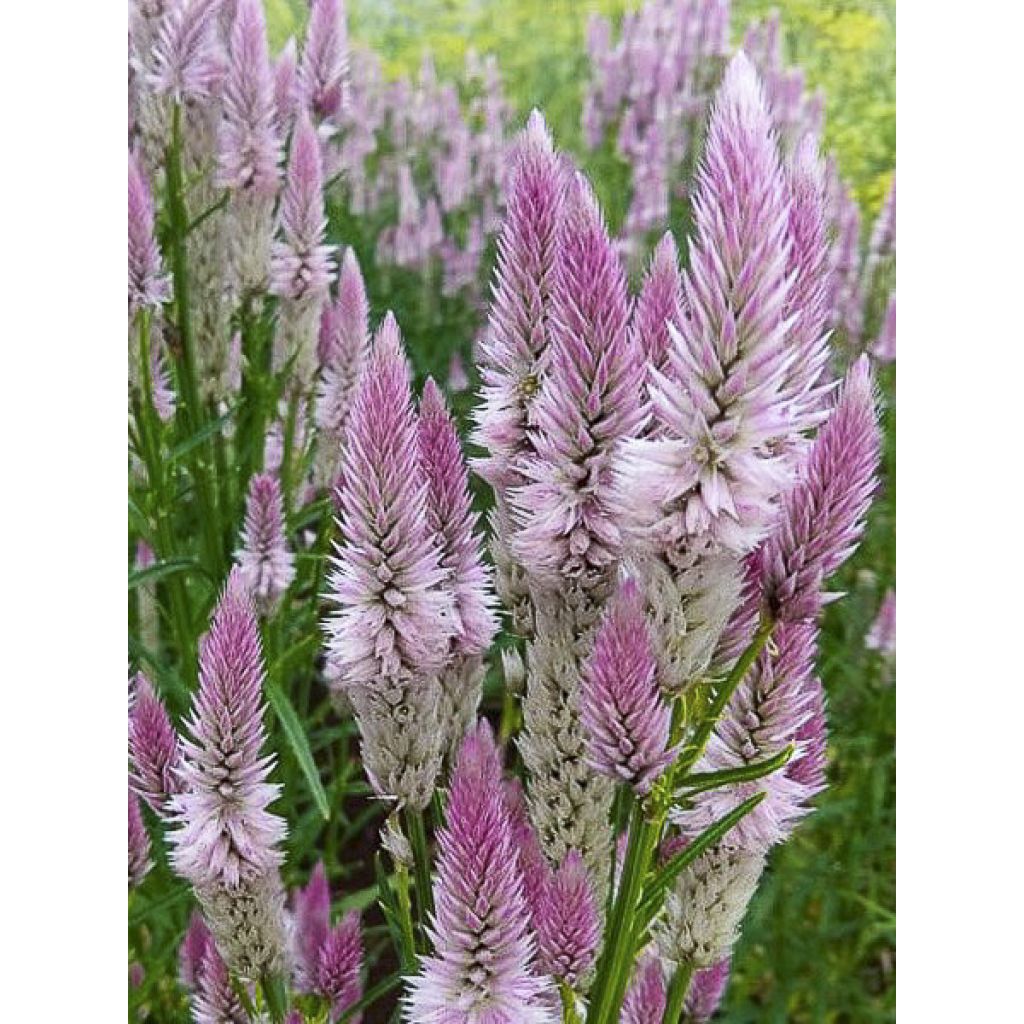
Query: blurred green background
(819, 944)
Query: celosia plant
(673, 475)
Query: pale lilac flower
(227, 835)
(139, 861)
(300, 261)
(775, 700)
(481, 968)
(808, 767)
(625, 718)
(194, 944)
(458, 380)
(659, 304)
(512, 348)
(188, 62)
(153, 748)
(451, 517)
(720, 401)
(148, 287)
(395, 615)
(846, 290)
(882, 635)
(136, 975)
(339, 965)
(567, 922)
(311, 916)
(883, 233)
(589, 402)
(532, 862)
(884, 348)
(249, 147)
(164, 397)
(286, 88)
(706, 991)
(822, 518)
(215, 1000)
(646, 996)
(265, 561)
(324, 67)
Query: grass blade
(300, 745)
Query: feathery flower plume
(704, 911)
(164, 398)
(808, 768)
(227, 845)
(139, 861)
(659, 304)
(481, 968)
(882, 635)
(187, 58)
(147, 285)
(458, 379)
(646, 997)
(266, 564)
(775, 700)
(567, 922)
(324, 67)
(720, 401)
(706, 991)
(153, 748)
(393, 630)
(340, 963)
(215, 1000)
(626, 720)
(884, 348)
(343, 350)
(823, 515)
(286, 88)
(193, 949)
(300, 263)
(589, 403)
(532, 863)
(512, 349)
(883, 234)
(311, 917)
(249, 148)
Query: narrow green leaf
(200, 436)
(701, 782)
(300, 745)
(160, 571)
(382, 988)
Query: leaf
(160, 571)
(202, 435)
(701, 782)
(300, 745)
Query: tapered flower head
(226, 834)
(139, 861)
(324, 67)
(517, 334)
(286, 87)
(882, 635)
(646, 996)
(300, 266)
(193, 948)
(532, 863)
(481, 969)
(345, 324)
(147, 285)
(396, 616)
(777, 698)
(567, 922)
(153, 748)
(706, 991)
(215, 1000)
(713, 472)
(339, 964)
(249, 146)
(660, 303)
(311, 918)
(625, 718)
(589, 403)
(884, 348)
(823, 515)
(451, 516)
(188, 62)
(265, 561)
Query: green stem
(616, 959)
(407, 950)
(421, 863)
(188, 377)
(276, 995)
(570, 1015)
(677, 990)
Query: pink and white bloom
(266, 563)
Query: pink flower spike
(324, 67)
(226, 835)
(265, 561)
(188, 62)
(249, 149)
(624, 716)
(345, 325)
(193, 949)
(884, 348)
(286, 88)
(311, 917)
(214, 1000)
(660, 303)
(148, 287)
(646, 996)
(567, 923)
(706, 991)
(451, 516)
(823, 515)
(139, 861)
(153, 748)
(482, 967)
(340, 963)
